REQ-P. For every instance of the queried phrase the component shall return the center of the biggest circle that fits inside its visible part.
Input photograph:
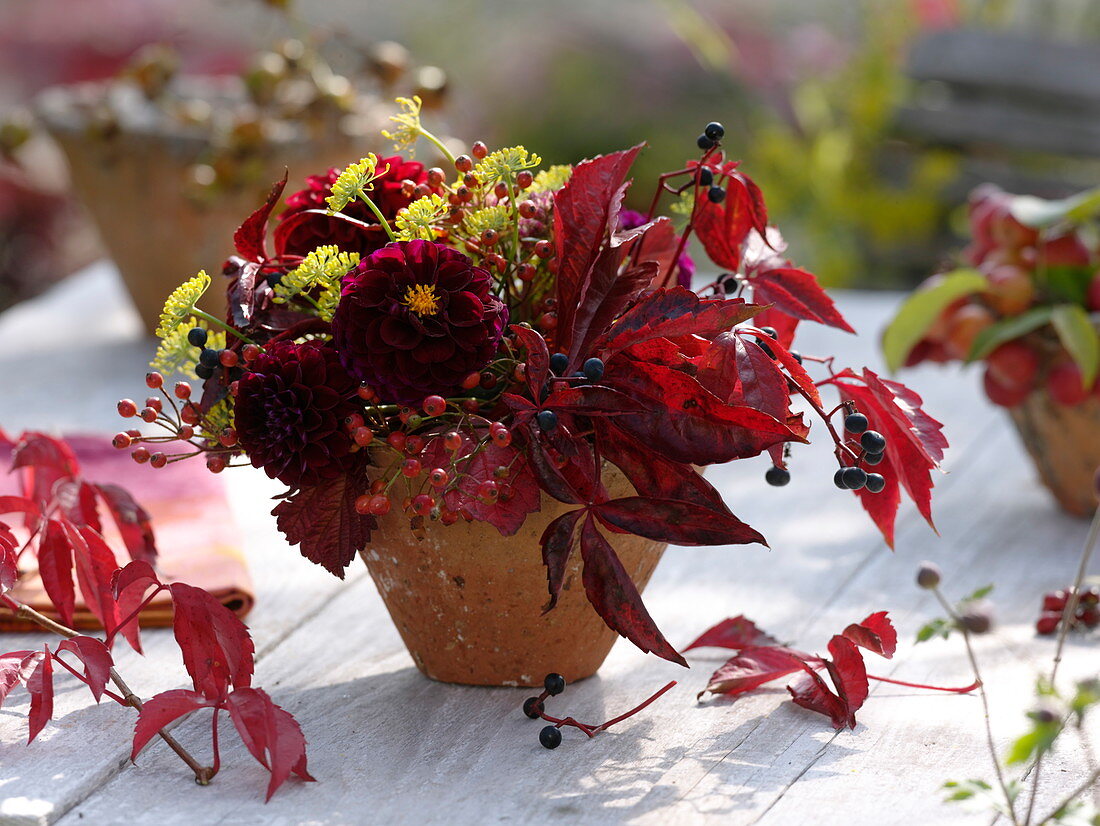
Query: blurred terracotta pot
(469, 603)
(1064, 443)
(138, 185)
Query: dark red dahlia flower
(415, 318)
(299, 232)
(290, 410)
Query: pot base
(469, 603)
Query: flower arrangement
(464, 344)
(1023, 301)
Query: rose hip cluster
(1017, 263)
(1086, 611)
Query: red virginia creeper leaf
(161, 710)
(96, 659)
(615, 597)
(557, 546)
(811, 691)
(130, 586)
(322, 521)
(735, 632)
(77, 501)
(783, 323)
(849, 675)
(875, 633)
(753, 667)
(15, 668)
(537, 359)
(18, 504)
(40, 685)
(682, 523)
(271, 735)
(95, 569)
(723, 228)
(797, 293)
(9, 561)
(250, 237)
(217, 649)
(133, 522)
(55, 567)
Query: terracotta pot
(136, 185)
(1064, 443)
(468, 602)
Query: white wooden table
(389, 746)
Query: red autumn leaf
(752, 667)
(95, 569)
(132, 520)
(45, 461)
(797, 293)
(15, 667)
(474, 466)
(322, 521)
(686, 422)
(914, 443)
(250, 237)
(271, 735)
(672, 313)
(55, 567)
(76, 500)
(591, 400)
(610, 290)
(735, 632)
(586, 212)
(738, 371)
(96, 659)
(9, 561)
(876, 633)
(653, 475)
(810, 691)
(40, 686)
(18, 504)
(849, 676)
(217, 649)
(557, 547)
(723, 228)
(616, 598)
(682, 523)
(537, 359)
(130, 586)
(162, 710)
(563, 465)
(793, 368)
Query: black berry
(716, 194)
(855, 423)
(704, 143)
(777, 476)
(929, 575)
(204, 372)
(854, 478)
(706, 177)
(558, 362)
(532, 706)
(715, 131)
(875, 482)
(550, 737)
(210, 358)
(196, 336)
(547, 419)
(873, 441)
(872, 458)
(797, 356)
(768, 350)
(593, 369)
(838, 479)
(770, 332)
(554, 684)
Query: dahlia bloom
(290, 410)
(415, 318)
(300, 234)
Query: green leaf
(997, 334)
(920, 311)
(1035, 742)
(1067, 283)
(939, 627)
(1038, 212)
(981, 593)
(1079, 337)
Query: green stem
(377, 214)
(439, 144)
(222, 324)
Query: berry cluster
(550, 736)
(184, 422)
(868, 450)
(1086, 610)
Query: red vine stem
(592, 730)
(964, 690)
(203, 774)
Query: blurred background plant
(831, 104)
